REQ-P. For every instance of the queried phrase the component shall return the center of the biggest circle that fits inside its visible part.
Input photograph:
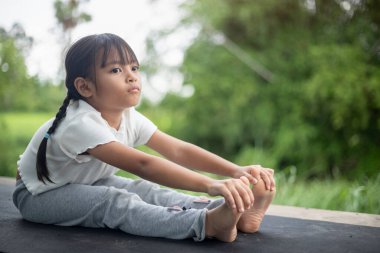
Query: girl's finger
(271, 178)
(266, 180)
(245, 180)
(255, 174)
(245, 197)
(229, 198)
(237, 198)
(250, 178)
(246, 194)
(248, 189)
(273, 182)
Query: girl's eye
(135, 68)
(116, 70)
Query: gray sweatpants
(137, 207)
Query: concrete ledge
(7, 181)
(361, 219)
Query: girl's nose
(131, 77)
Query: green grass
(16, 130)
(23, 125)
(338, 194)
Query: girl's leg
(220, 220)
(153, 194)
(102, 206)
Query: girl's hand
(236, 192)
(255, 173)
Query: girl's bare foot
(221, 223)
(250, 220)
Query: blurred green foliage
(318, 110)
(18, 90)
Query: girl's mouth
(134, 89)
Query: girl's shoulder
(80, 108)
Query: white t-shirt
(82, 128)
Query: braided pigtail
(42, 169)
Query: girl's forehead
(103, 58)
(114, 55)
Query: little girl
(66, 174)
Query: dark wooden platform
(277, 234)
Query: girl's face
(117, 86)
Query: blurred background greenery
(293, 85)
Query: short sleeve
(143, 128)
(84, 132)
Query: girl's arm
(192, 156)
(189, 155)
(236, 193)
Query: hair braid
(41, 166)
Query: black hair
(80, 61)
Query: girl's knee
(143, 187)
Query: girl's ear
(84, 87)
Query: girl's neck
(113, 119)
